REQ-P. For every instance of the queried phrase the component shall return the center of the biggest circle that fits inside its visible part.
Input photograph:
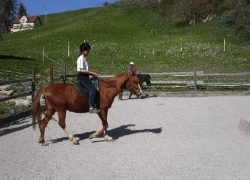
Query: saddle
(83, 91)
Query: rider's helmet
(84, 46)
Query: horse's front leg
(102, 132)
(62, 116)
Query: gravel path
(156, 138)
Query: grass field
(120, 34)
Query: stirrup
(94, 110)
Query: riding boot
(93, 110)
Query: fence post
(224, 44)
(33, 84)
(65, 75)
(68, 49)
(51, 75)
(195, 80)
(181, 45)
(43, 55)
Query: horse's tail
(38, 102)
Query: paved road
(156, 138)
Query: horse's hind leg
(42, 124)
(62, 117)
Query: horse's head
(133, 83)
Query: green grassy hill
(120, 34)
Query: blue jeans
(85, 82)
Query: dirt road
(155, 138)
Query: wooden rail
(15, 81)
(15, 96)
(194, 82)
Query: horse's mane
(110, 87)
(116, 81)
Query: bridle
(139, 90)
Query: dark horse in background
(62, 97)
(143, 78)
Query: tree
(22, 10)
(106, 3)
(241, 16)
(7, 13)
(195, 10)
(10, 9)
(1, 17)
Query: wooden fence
(195, 80)
(15, 116)
(201, 80)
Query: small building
(25, 23)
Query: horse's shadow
(124, 130)
(144, 96)
(10, 130)
(115, 133)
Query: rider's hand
(95, 74)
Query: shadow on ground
(124, 130)
(11, 57)
(144, 96)
(10, 129)
(116, 133)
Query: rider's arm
(88, 72)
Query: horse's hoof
(41, 141)
(45, 144)
(108, 138)
(76, 143)
(92, 136)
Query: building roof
(30, 19)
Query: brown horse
(62, 97)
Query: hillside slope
(119, 34)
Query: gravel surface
(155, 138)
